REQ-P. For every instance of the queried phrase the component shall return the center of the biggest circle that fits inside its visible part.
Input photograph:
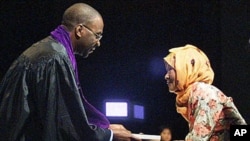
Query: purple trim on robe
(94, 116)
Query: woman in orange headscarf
(207, 109)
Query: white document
(147, 137)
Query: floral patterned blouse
(210, 114)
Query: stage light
(114, 108)
(138, 112)
(122, 109)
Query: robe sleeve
(61, 97)
(14, 108)
(40, 100)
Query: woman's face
(170, 78)
(166, 135)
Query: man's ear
(78, 31)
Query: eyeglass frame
(97, 36)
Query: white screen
(116, 109)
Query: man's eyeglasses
(97, 36)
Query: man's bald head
(79, 13)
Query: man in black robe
(40, 96)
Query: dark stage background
(137, 35)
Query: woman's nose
(166, 76)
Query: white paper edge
(147, 137)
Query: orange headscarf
(191, 65)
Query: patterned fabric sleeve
(206, 108)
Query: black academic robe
(40, 100)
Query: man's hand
(121, 133)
